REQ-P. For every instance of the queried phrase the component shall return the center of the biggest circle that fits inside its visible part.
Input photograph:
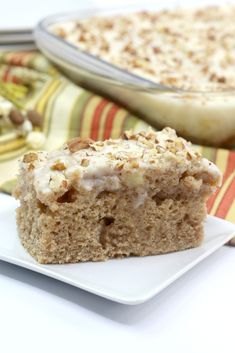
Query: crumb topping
(185, 48)
(79, 143)
(112, 164)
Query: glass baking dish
(203, 117)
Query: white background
(38, 314)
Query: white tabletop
(195, 314)
(39, 314)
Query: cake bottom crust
(95, 228)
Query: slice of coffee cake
(144, 194)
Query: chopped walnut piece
(79, 143)
(81, 37)
(30, 167)
(129, 49)
(156, 50)
(30, 157)
(85, 162)
(211, 36)
(119, 166)
(58, 166)
(222, 79)
(189, 156)
(128, 135)
(151, 136)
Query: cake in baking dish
(189, 48)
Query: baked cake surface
(187, 48)
(144, 194)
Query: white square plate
(127, 281)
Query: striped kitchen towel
(31, 83)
